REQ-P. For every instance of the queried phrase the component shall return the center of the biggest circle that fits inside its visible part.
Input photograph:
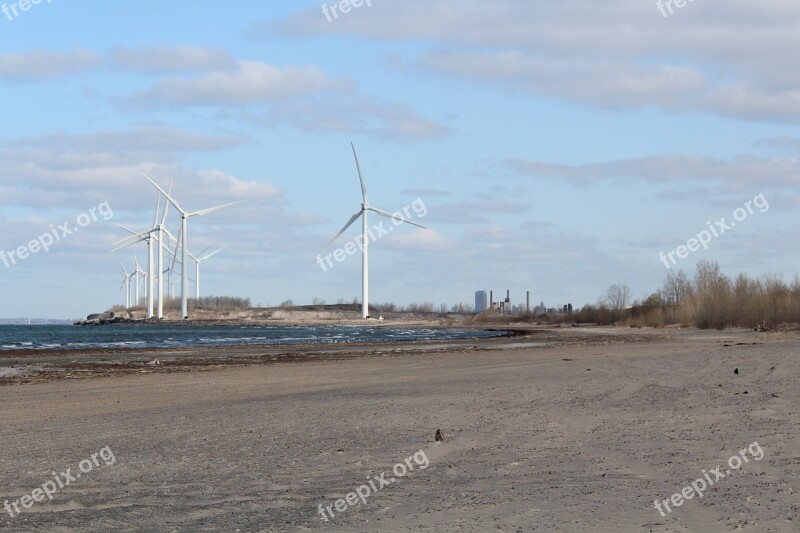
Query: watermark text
(374, 485)
(700, 485)
(59, 481)
(714, 230)
(56, 234)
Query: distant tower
(491, 298)
(528, 302)
(480, 301)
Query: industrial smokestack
(528, 301)
(491, 299)
(508, 295)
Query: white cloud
(45, 65)
(354, 113)
(71, 171)
(616, 53)
(253, 82)
(169, 59)
(735, 174)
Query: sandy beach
(572, 429)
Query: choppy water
(145, 336)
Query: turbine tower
(197, 262)
(126, 282)
(364, 235)
(139, 274)
(185, 216)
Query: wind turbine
(126, 282)
(157, 233)
(148, 237)
(185, 216)
(364, 253)
(197, 262)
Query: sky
(556, 147)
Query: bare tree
(617, 297)
(676, 294)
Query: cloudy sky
(558, 147)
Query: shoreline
(30, 366)
(20, 367)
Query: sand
(570, 430)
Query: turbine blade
(212, 209)
(177, 244)
(349, 223)
(166, 194)
(126, 228)
(166, 205)
(123, 268)
(158, 206)
(171, 236)
(212, 254)
(396, 217)
(360, 177)
(126, 245)
(141, 236)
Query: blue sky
(557, 146)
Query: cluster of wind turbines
(158, 235)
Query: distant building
(481, 301)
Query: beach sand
(575, 429)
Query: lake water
(168, 336)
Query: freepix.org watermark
(666, 5)
(374, 485)
(56, 234)
(374, 233)
(59, 481)
(13, 10)
(344, 7)
(701, 484)
(714, 230)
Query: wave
(145, 336)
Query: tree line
(709, 300)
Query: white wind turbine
(157, 233)
(197, 262)
(364, 236)
(126, 282)
(185, 216)
(148, 238)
